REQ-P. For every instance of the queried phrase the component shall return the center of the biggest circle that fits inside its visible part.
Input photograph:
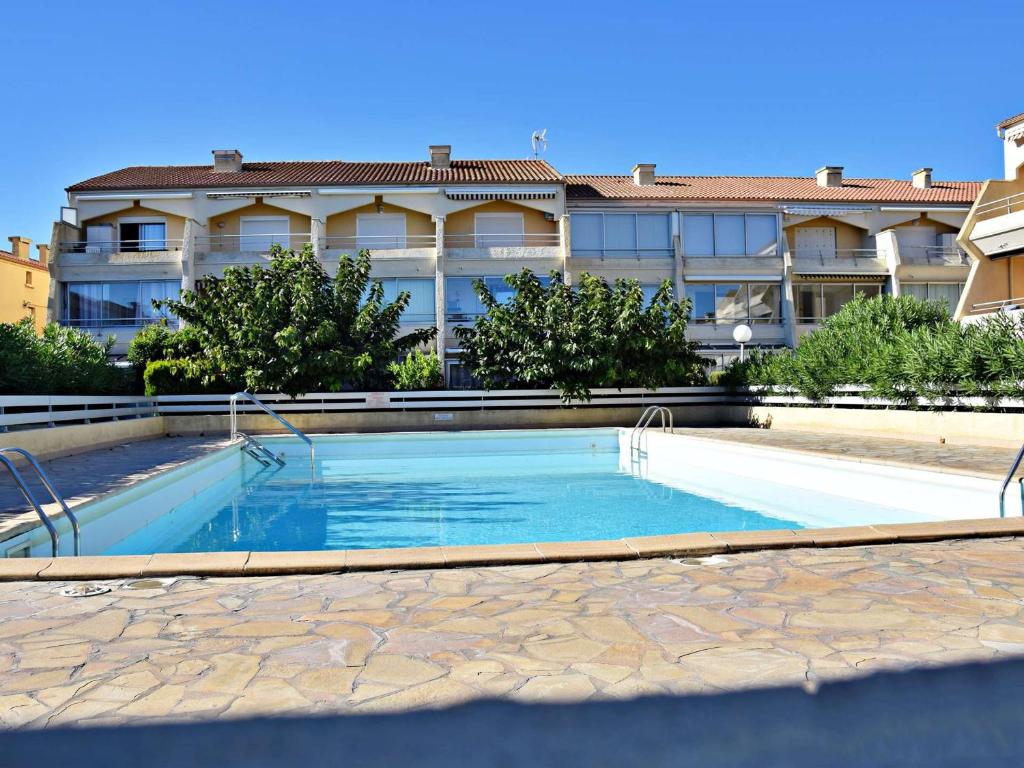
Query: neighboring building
(24, 283)
(994, 234)
(779, 253)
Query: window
(28, 279)
(461, 302)
(130, 302)
(816, 301)
(632, 235)
(499, 230)
(138, 235)
(375, 231)
(945, 292)
(756, 303)
(421, 297)
(730, 234)
(259, 233)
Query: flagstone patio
(192, 648)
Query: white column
(439, 286)
(565, 236)
(57, 234)
(888, 246)
(316, 236)
(678, 282)
(788, 305)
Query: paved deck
(195, 649)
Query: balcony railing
(511, 240)
(934, 254)
(623, 253)
(105, 247)
(250, 243)
(374, 243)
(1001, 305)
(1000, 207)
(836, 256)
(115, 322)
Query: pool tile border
(319, 562)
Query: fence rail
(29, 411)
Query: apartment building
(24, 283)
(777, 253)
(994, 234)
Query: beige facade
(24, 284)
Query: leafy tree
(289, 327)
(62, 361)
(419, 370)
(574, 339)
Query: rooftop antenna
(539, 142)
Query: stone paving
(191, 649)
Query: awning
(492, 193)
(821, 210)
(841, 277)
(259, 193)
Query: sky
(740, 87)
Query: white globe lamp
(742, 334)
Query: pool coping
(684, 545)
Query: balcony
(252, 245)
(382, 246)
(117, 252)
(493, 246)
(839, 261)
(999, 226)
(934, 255)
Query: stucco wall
(15, 292)
(344, 224)
(848, 237)
(462, 222)
(67, 440)
(297, 222)
(175, 224)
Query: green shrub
(62, 361)
(181, 377)
(419, 370)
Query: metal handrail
(825, 255)
(992, 306)
(31, 499)
(1006, 483)
(501, 240)
(270, 412)
(255, 448)
(122, 246)
(644, 421)
(995, 207)
(379, 242)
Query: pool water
(464, 488)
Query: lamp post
(741, 334)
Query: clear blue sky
(738, 87)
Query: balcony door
(499, 230)
(380, 231)
(258, 233)
(816, 242)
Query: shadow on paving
(967, 715)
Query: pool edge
(235, 564)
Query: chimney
(20, 246)
(830, 176)
(44, 254)
(440, 155)
(922, 178)
(643, 174)
(227, 161)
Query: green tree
(419, 370)
(289, 327)
(578, 338)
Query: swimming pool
(503, 487)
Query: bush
(419, 370)
(181, 377)
(901, 349)
(62, 361)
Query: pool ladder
(636, 436)
(31, 498)
(1006, 482)
(254, 447)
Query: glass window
(698, 234)
(421, 307)
(730, 302)
(125, 303)
(143, 236)
(764, 303)
(649, 290)
(461, 300)
(620, 234)
(729, 235)
(808, 302)
(833, 296)
(761, 235)
(653, 234)
(587, 232)
(703, 296)
(869, 290)
(917, 290)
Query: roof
(1010, 121)
(10, 257)
(326, 172)
(768, 189)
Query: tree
(289, 327)
(577, 338)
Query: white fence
(30, 411)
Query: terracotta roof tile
(1010, 121)
(768, 189)
(327, 172)
(10, 257)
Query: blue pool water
(438, 489)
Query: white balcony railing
(934, 254)
(837, 256)
(511, 240)
(106, 247)
(1000, 207)
(250, 243)
(374, 243)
